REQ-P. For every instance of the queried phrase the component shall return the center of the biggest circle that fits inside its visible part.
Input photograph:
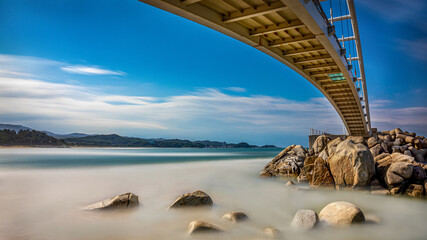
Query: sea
(43, 192)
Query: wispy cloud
(416, 48)
(235, 89)
(90, 70)
(397, 10)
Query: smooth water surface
(42, 196)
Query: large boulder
(352, 165)
(418, 174)
(341, 213)
(307, 170)
(323, 155)
(122, 201)
(287, 163)
(332, 145)
(357, 139)
(321, 177)
(194, 199)
(398, 172)
(202, 227)
(305, 219)
(320, 144)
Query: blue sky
(124, 67)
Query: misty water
(42, 192)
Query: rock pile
(389, 162)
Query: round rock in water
(194, 199)
(202, 227)
(305, 219)
(341, 213)
(271, 232)
(235, 216)
(126, 200)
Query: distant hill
(28, 138)
(110, 140)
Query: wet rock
(341, 213)
(332, 146)
(305, 219)
(320, 144)
(415, 190)
(352, 165)
(372, 142)
(235, 216)
(322, 177)
(194, 199)
(271, 232)
(123, 201)
(202, 227)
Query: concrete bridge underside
(292, 31)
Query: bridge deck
(291, 31)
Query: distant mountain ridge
(114, 140)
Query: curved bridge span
(299, 34)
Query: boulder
(341, 213)
(290, 183)
(419, 158)
(324, 155)
(415, 190)
(398, 157)
(397, 142)
(372, 142)
(408, 153)
(194, 199)
(352, 165)
(320, 144)
(376, 150)
(357, 139)
(322, 177)
(287, 163)
(332, 145)
(307, 170)
(122, 201)
(271, 232)
(409, 139)
(395, 131)
(418, 174)
(202, 227)
(305, 219)
(235, 216)
(398, 172)
(299, 151)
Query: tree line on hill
(28, 138)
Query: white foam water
(38, 203)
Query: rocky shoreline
(390, 162)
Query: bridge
(299, 34)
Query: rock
(194, 199)
(202, 227)
(418, 144)
(395, 131)
(332, 145)
(398, 157)
(357, 139)
(123, 201)
(419, 158)
(271, 232)
(235, 216)
(299, 151)
(372, 142)
(418, 174)
(409, 139)
(395, 191)
(415, 190)
(290, 183)
(385, 132)
(385, 147)
(352, 165)
(286, 163)
(381, 192)
(307, 170)
(376, 150)
(320, 144)
(324, 155)
(397, 142)
(401, 136)
(322, 177)
(408, 153)
(341, 213)
(397, 172)
(305, 219)
(387, 138)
